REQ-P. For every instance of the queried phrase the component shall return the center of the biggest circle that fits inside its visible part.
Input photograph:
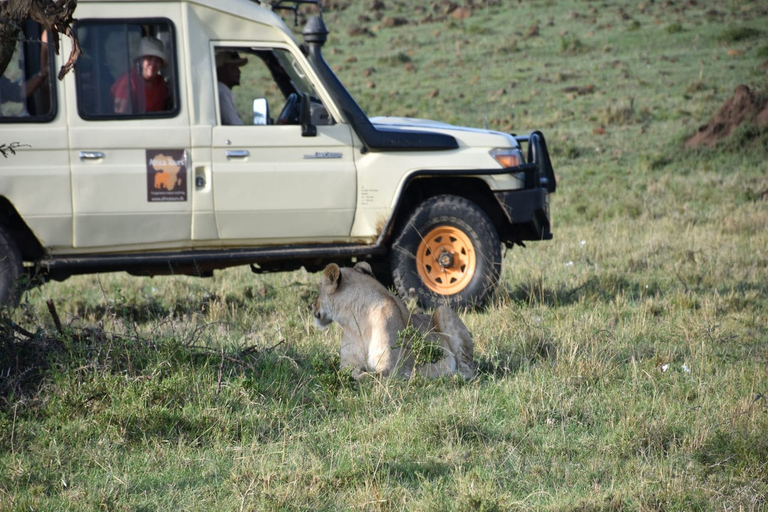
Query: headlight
(508, 157)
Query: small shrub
(696, 86)
(674, 28)
(328, 372)
(654, 162)
(478, 30)
(509, 47)
(568, 151)
(394, 60)
(424, 349)
(571, 45)
(736, 34)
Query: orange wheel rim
(445, 260)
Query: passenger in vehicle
(228, 64)
(143, 89)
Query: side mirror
(260, 112)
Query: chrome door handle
(91, 155)
(238, 153)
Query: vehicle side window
(127, 69)
(26, 88)
(259, 86)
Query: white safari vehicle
(134, 162)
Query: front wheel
(447, 252)
(10, 270)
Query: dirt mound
(743, 107)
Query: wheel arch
(25, 239)
(422, 186)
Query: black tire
(447, 252)
(10, 270)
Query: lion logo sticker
(166, 175)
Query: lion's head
(321, 308)
(327, 293)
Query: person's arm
(36, 82)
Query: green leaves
(426, 349)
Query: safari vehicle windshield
(289, 66)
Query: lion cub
(372, 317)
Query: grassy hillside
(623, 364)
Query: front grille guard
(538, 170)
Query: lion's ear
(364, 268)
(332, 277)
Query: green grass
(622, 364)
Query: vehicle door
(129, 133)
(271, 183)
(34, 170)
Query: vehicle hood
(464, 135)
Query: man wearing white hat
(228, 65)
(143, 89)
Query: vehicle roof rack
(293, 5)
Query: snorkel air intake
(315, 36)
